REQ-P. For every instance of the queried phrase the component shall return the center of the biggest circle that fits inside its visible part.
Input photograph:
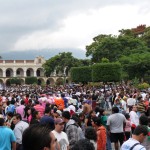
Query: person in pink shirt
(43, 100)
(39, 108)
(128, 127)
(20, 110)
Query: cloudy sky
(67, 24)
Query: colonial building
(26, 68)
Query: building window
(18, 72)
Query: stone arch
(8, 82)
(1, 81)
(50, 81)
(59, 81)
(19, 72)
(1, 73)
(40, 72)
(30, 72)
(9, 72)
(68, 80)
(40, 81)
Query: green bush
(31, 80)
(81, 74)
(143, 86)
(16, 81)
(106, 72)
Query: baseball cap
(59, 112)
(58, 121)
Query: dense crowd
(74, 117)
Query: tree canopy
(62, 61)
(113, 47)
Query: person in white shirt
(61, 136)
(134, 118)
(130, 102)
(20, 127)
(138, 137)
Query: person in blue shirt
(7, 137)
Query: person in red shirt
(101, 133)
(26, 99)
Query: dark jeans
(128, 135)
(19, 147)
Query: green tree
(113, 47)
(136, 65)
(62, 61)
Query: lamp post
(65, 74)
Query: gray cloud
(23, 17)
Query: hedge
(81, 74)
(106, 72)
(31, 80)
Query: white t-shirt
(129, 143)
(131, 101)
(62, 139)
(134, 118)
(115, 121)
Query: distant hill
(46, 53)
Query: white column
(4, 73)
(24, 72)
(34, 73)
(14, 72)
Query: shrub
(31, 80)
(143, 86)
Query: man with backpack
(138, 137)
(71, 129)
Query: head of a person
(81, 116)
(59, 125)
(96, 121)
(97, 109)
(9, 115)
(2, 121)
(58, 113)
(102, 111)
(140, 133)
(66, 116)
(140, 99)
(38, 137)
(83, 144)
(12, 102)
(37, 102)
(90, 133)
(134, 108)
(48, 111)
(92, 113)
(36, 115)
(143, 120)
(115, 110)
(16, 118)
(22, 102)
(117, 101)
(127, 116)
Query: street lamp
(65, 74)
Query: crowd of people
(74, 117)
